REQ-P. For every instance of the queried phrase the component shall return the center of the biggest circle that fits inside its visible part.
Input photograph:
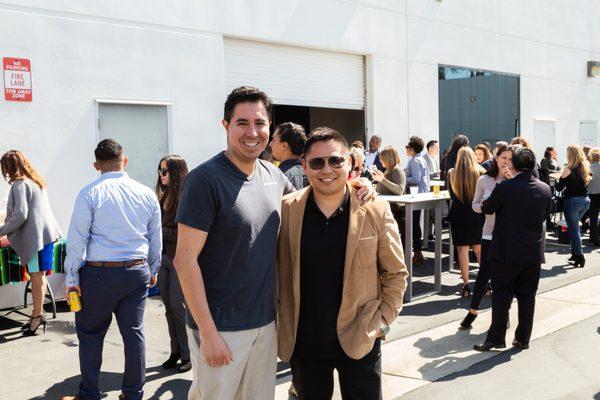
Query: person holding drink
(113, 256)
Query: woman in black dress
(466, 225)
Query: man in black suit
(516, 251)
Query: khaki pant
(250, 376)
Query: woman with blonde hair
(574, 180)
(31, 228)
(593, 190)
(466, 225)
(357, 158)
(393, 180)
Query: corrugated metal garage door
(296, 76)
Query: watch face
(385, 329)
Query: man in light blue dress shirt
(113, 256)
(417, 175)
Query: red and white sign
(17, 79)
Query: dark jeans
(593, 213)
(172, 297)
(508, 280)
(359, 379)
(104, 291)
(483, 275)
(574, 208)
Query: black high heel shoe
(32, 332)
(26, 325)
(467, 321)
(579, 261)
(466, 291)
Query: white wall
(173, 51)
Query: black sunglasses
(319, 162)
(163, 171)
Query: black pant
(106, 291)
(508, 280)
(172, 297)
(359, 379)
(416, 231)
(483, 275)
(593, 213)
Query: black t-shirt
(322, 257)
(573, 185)
(242, 216)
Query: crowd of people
(240, 242)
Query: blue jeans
(574, 208)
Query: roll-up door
(296, 76)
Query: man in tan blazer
(341, 277)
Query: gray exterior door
(485, 108)
(142, 130)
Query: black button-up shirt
(322, 257)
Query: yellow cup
(436, 190)
(74, 301)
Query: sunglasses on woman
(318, 163)
(163, 171)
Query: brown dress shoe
(417, 258)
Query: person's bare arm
(190, 242)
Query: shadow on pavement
(482, 366)
(111, 381)
(444, 351)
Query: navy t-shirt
(242, 216)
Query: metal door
(142, 130)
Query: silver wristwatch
(385, 329)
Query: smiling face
(247, 132)
(374, 144)
(328, 180)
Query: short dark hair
(108, 150)
(246, 94)
(431, 143)
(292, 134)
(523, 159)
(324, 134)
(416, 143)
(548, 151)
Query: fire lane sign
(17, 79)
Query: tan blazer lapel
(296, 216)
(355, 226)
